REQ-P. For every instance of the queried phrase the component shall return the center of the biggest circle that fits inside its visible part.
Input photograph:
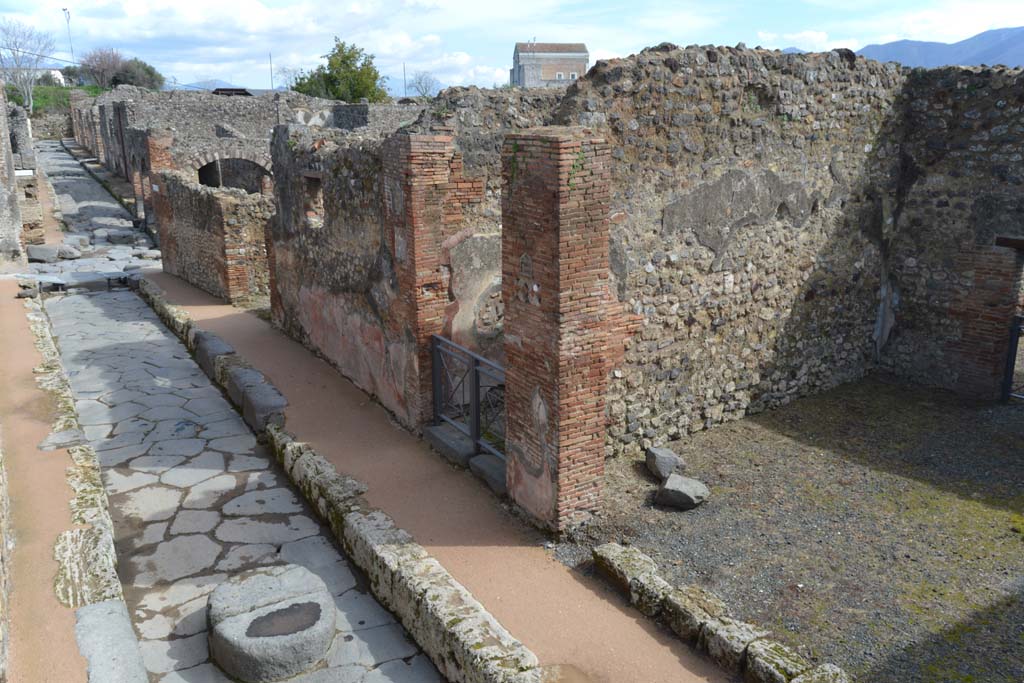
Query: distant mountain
(793, 51)
(999, 46)
(211, 84)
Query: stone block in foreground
(271, 624)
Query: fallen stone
(662, 462)
(42, 253)
(67, 252)
(826, 673)
(681, 492)
(270, 624)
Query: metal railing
(1013, 379)
(469, 394)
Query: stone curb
(465, 642)
(701, 619)
(86, 559)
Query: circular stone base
(270, 624)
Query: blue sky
(470, 41)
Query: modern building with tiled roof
(536, 65)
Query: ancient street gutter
(464, 641)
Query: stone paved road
(195, 498)
(99, 229)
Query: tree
(424, 84)
(349, 75)
(22, 50)
(102, 64)
(138, 73)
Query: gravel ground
(878, 527)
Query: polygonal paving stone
(120, 441)
(149, 504)
(419, 669)
(358, 611)
(234, 444)
(96, 413)
(206, 406)
(265, 479)
(161, 656)
(195, 521)
(180, 592)
(134, 424)
(248, 463)
(173, 429)
(371, 647)
(155, 464)
(310, 552)
(196, 470)
(96, 432)
(187, 447)
(181, 556)
(113, 398)
(248, 555)
(158, 400)
(151, 533)
(204, 673)
(167, 413)
(155, 628)
(206, 493)
(265, 502)
(256, 531)
(191, 617)
(116, 482)
(229, 427)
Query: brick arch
(258, 157)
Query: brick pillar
(416, 186)
(563, 329)
(984, 312)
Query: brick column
(984, 312)
(416, 186)
(563, 328)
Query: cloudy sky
(470, 41)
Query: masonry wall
(10, 214)
(390, 260)
(214, 238)
(960, 185)
(738, 179)
(21, 138)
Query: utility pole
(270, 55)
(67, 18)
(405, 86)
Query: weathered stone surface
(106, 640)
(271, 624)
(688, 608)
(207, 347)
(661, 462)
(173, 559)
(826, 673)
(681, 492)
(42, 253)
(726, 640)
(262, 405)
(770, 662)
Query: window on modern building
(573, 75)
(560, 76)
(313, 202)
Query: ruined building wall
(960, 184)
(213, 238)
(10, 214)
(372, 253)
(21, 138)
(738, 179)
